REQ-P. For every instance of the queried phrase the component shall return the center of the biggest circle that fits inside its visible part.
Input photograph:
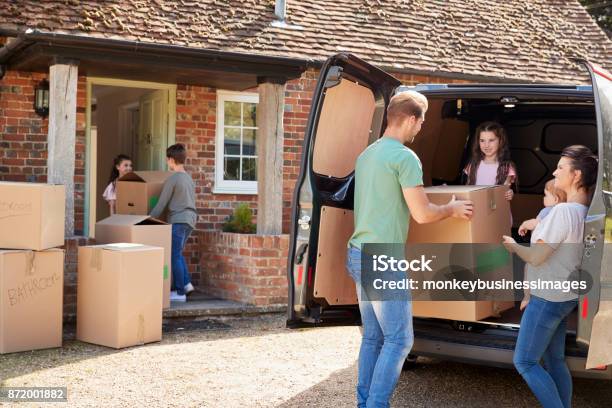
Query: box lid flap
(123, 247)
(146, 176)
(28, 184)
(124, 219)
(455, 189)
(12, 251)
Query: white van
(348, 113)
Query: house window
(236, 152)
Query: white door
(153, 135)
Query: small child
(490, 162)
(178, 195)
(552, 197)
(122, 165)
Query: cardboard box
(140, 229)
(138, 191)
(32, 215)
(31, 305)
(119, 294)
(491, 219)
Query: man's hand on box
(461, 208)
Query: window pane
(250, 114)
(231, 168)
(249, 169)
(232, 141)
(232, 113)
(248, 142)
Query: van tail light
(585, 307)
(309, 275)
(300, 272)
(601, 368)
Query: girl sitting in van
(490, 162)
(122, 165)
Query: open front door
(595, 313)
(347, 114)
(153, 134)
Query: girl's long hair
(117, 161)
(503, 154)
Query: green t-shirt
(381, 172)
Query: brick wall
(23, 153)
(70, 247)
(23, 136)
(298, 97)
(246, 268)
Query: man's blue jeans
(180, 273)
(542, 336)
(386, 341)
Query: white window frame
(230, 186)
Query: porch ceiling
(148, 62)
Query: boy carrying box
(178, 196)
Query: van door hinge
(304, 222)
(334, 75)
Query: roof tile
(530, 40)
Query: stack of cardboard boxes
(137, 194)
(31, 266)
(124, 281)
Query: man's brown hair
(404, 105)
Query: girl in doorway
(122, 165)
(490, 162)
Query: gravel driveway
(256, 362)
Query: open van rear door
(347, 114)
(595, 313)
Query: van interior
(538, 126)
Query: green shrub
(241, 221)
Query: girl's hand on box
(509, 194)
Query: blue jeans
(542, 336)
(180, 273)
(386, 341)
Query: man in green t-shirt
(388, 190)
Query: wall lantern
(41, 98)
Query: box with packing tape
(139, 229)
(32, 215)
(119, 294)
(31, 304)
(491, 219)
(139, 191)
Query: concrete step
(201, 304)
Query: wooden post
(270, 138)
(62, 133)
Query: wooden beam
(62, 133)
(270, 138)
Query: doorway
(133, 118)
